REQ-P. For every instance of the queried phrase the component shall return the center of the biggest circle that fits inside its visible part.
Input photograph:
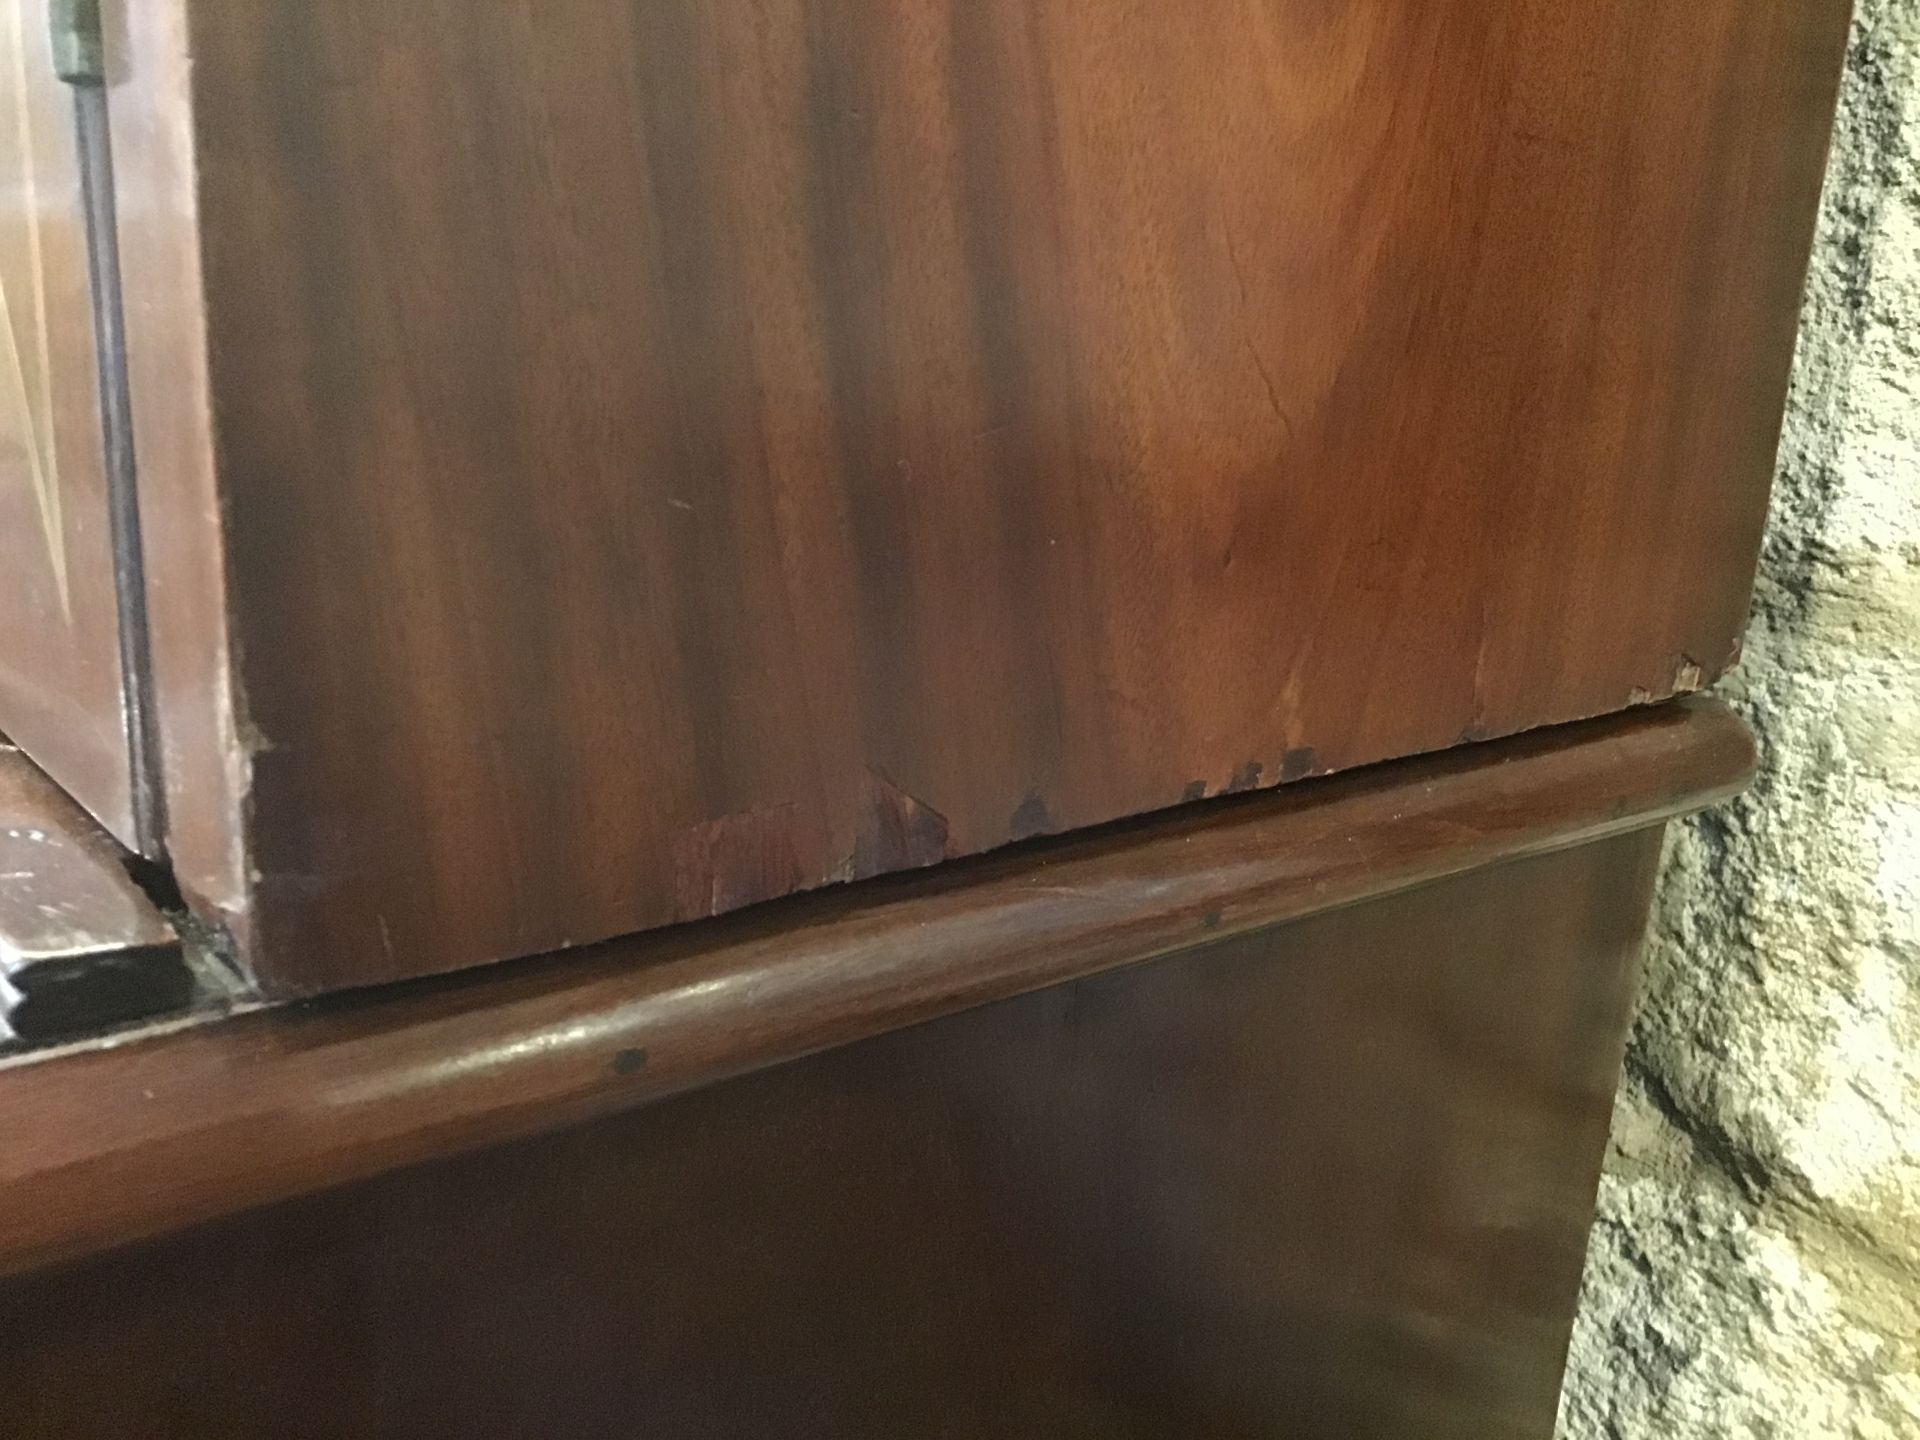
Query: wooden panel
(139, 1139)
(673, 454)
(1332, 1179)
(60, 694)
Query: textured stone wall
(1756, 1266)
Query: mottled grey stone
(1755, 1270)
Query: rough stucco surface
(1755, 1270)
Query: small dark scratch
(1482, 645)
(1246, 335)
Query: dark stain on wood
(1032, 818)
(1246, 778)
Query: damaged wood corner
(735, 861)
(897, 831)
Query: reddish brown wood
(145, 1138)
(609, 462)
(1330, 1179)
(60, 693)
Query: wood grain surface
(1330, 1179)
(625, 461)
(60, 694)
(143, 1138)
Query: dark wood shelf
(145, 1137)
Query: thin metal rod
(123, 506)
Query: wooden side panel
(1327, 1180)
(678, 453)
(60, 696)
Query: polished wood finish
(82, 947)
(606, 463)
(1330, 1179)
(60, 689)
(144, 1138)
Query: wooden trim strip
(117, 1144)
